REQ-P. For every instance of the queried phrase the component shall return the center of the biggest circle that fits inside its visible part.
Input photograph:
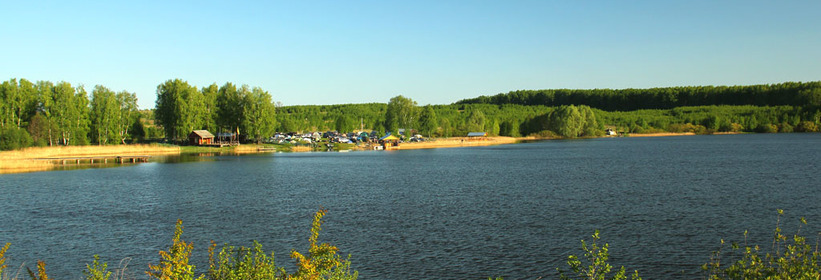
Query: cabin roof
(477, 134)
(203, 134)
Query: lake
(663, 204)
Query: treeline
(707, 119)
(48, 114)
(245, 111)
(521, 120)
(789, 93)
(43, 113)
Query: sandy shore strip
(32, 159)
(661, 134)
(453, 142)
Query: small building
(477, 134)
(610, 132)
(201, 137)
(389, 142)
(227, 138)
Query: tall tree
(18, 102)
(82, 119)
(567, 121)
(259, 114)
(343, 123)
(209, 107)
(104, 115)
(475, 121)
(229, 107)
(64, 112)
(178, 108)
(25, 101)
(401, 113)
(4, 106)
(428, 122)
(127, 114)
(45, 103)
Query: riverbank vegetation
(321, 261)
(790, 257)
(48, 114)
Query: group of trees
(48, 114)
(565, 121)
(404, 113)
(182, 108)
(43, 113)
(705, 119)
(789, 93)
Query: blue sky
(435, 52)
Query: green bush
(766, 128)
(789, 258)
(96, 270)
(242, 263)
(785, 128)
(806, 126)
(596, 266)
(14, 138)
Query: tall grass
(26, 160)
(77, 151)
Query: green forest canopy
(44, 113)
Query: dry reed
(31, 159)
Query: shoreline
(455, 142)
(661, 134)
(36, 159)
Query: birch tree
(127, 114)
(104, 115)
(259, 114)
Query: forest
(43, 113)
(789, 93)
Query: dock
(97, 159)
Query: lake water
(517, 211)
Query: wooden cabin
(201, 137)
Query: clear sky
(435, 52)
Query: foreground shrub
(174, 263)
(97, 270)
(322, 261)
(241, 263)
(232, 263)
(41, 272)
(596, 267)
(3, 260)
(790, 258)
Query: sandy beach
(44, 158)
(661, 134)
(453, 142)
